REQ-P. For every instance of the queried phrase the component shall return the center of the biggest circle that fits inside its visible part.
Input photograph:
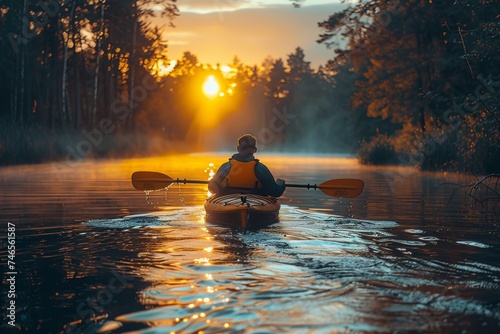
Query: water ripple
(309, 273)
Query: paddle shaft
(316, 186)
(185, 181)
(147, 181)
(190, 181)
(308, 186)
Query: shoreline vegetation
(410, 83)
(34, 146)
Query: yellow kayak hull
(242, 210)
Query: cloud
(223, 6)
(179, 37)
(215, 6)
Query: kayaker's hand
(280, 182)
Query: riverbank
(447, 152)
(31, 145)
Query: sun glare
(162, 68)
(211, 87)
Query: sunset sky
(217, 30)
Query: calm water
(92, 254)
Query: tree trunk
(19, 99)
(78, 101)
(97, 67)
(77, 123)
(65, 111)
(132, 62)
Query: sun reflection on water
(211, 173)
(184, 287)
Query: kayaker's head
(247, 144)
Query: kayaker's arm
(215, 184)
(269, 186)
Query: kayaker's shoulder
(259, 166)
(226, 165)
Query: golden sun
(211, 87)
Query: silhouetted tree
(276, 85)
(416, 61)
(66, 64)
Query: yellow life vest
(242, 175)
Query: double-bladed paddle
(345, 188)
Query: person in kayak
(245, 174)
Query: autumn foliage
(430, 68)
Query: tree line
(66, 63)
(413, 83)
(428, 70)
(286, 103)
(84, 78)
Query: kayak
(242, 210)
(245, 210)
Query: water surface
(95, 255)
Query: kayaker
(244, 173)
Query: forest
(413, 83)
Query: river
(92, 254)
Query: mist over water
(283, 132)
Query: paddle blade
(150, 180)
(345, 188)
